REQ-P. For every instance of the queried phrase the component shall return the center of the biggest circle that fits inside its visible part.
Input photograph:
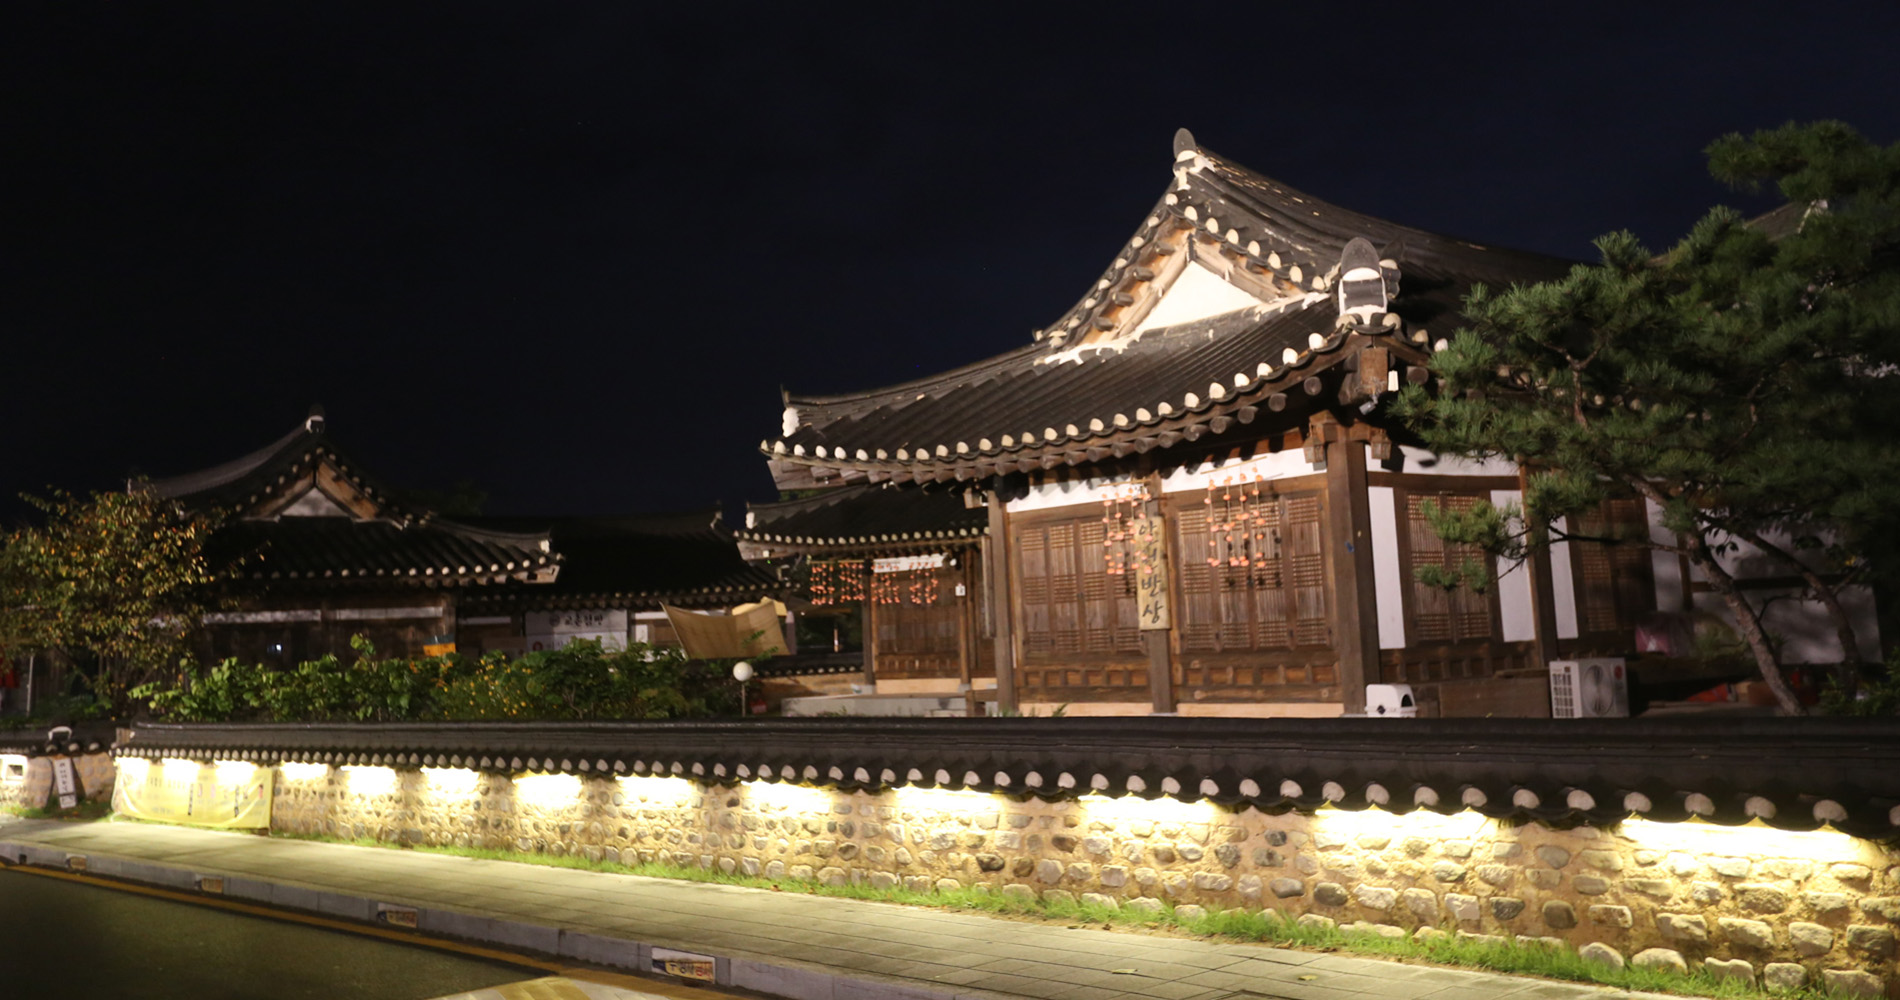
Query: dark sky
(570, 252)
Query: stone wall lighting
(368, 780)
(548, 791)
(451, 780)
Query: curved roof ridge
(1260, 191)
(187, 483)
(941, 379)
(817, 501)
(483, 533)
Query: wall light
(13, 767)
(234, 772)
(1350, 824)
(369, 780)
(548, 790)
(451, 780)
(297, 771)
(1754, 840)
(944, 799)
(1135, 809)
(788, 796)
(656, 789)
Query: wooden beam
(1312, 385)
(1276, 402)
(1349, 558)
(1002, 606)
(1374, 362)
(966, 625)
(867, 626)
(1543, 585)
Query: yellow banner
(229, 795)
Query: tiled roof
(1098, 383)
(398, 545)
(866, 518)
(1790, 773)
(244, 483)
(81, 737)
(340, 550)
(639, 561)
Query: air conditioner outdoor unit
(1589, 689)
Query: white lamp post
(742, 672)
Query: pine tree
(1744, 382)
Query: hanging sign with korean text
(1151, 572)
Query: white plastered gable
(313, 502)
(1196, 294)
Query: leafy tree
(1743, 382)
(114, 584)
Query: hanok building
(324, 551)
(1194, 500)
(617, 575)
(901, 569)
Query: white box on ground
(1390, 701)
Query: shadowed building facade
(321, 550)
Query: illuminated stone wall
(94, 770)
(1817, 907)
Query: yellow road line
(657, 986)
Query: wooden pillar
(867, 626)
(1160, 641)
(1543, 588)
(966, 624)
(1002, 605)
(1349, 560)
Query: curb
(772, 977)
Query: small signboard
(396, 916)
(555, 629)
(211, 884)
(907, 564)
(684, 964)
(1151, 572)
(65, 783)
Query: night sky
(570, 253)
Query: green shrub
(579, 681)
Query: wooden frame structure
(1224, 383)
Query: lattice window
(1252, 571)
(1615, 583)
(1439, 615)
(1072, 605)
(916, 611)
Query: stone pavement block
(959, 977)
(860, 989)
(1086, 993)
(612, 952)
(782, 980)
(1168, 989)
(254, 890)
(1017, 985)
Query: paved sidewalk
(784, 944)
